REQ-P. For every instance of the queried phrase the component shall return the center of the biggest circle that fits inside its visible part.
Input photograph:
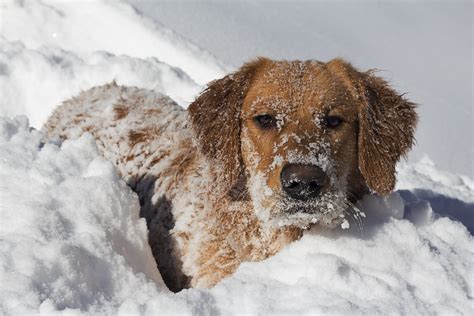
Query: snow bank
(448, 194)
(399, 269)
(71, 241)
(101, 25)
(34, 81)
(49, 53)
(70, 236)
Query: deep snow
(70, 236)
(24, 90)
(49, 40)
(71, 239)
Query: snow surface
(24, 91)
(112, 26)
(71, 240)
(49, 39)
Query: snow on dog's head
(303, 139)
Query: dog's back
(128, 124)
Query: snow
(25, 92)
(60, 250)
(49, 39)
(363, 276)
(71, 240)
(111, 26)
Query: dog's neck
(234, 228)
(228, 223)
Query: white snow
(70, 236)
(24, 90)
(50, 39)
(101, 25)
(71, 240)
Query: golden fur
(209, 178)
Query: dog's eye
(333, 121)
(265, 120)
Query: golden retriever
(262, 154)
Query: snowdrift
(49, 54)
(71, 240)
(24, 90)
(111, 26)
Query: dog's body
(253, 162)
(193, 227)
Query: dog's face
(303, 140)
(299, 143)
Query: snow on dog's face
(303, 140)
(299, 144)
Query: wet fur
(191, 168)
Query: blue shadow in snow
(443, 205)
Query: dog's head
(303, 139)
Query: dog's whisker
(351, 215)
(353, 211)
(356, 214)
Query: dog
(261, 155)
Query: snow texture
(49, 39)
(112, 26)
(24, 91)
(70, 236)
(71, 240)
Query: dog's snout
(302, 181)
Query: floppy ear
(215, 119)
(387, 124)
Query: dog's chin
(324, 212)
(278, 210)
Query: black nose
(302, 181)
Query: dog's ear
(387, 124)
(215, 119)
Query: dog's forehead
(290, 85)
